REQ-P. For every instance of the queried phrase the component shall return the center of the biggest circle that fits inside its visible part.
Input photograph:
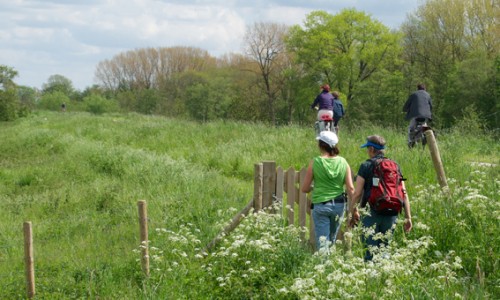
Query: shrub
(52, 101)
(8, 105)
(98, 105)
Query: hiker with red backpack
(381, 183)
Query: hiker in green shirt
(330, 173)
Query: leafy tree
(343, 50)
(147, 101)
(58, 83)
(175, 99)
(27, 99)
(8, 94)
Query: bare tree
(149, 68)
(264, 44)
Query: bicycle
(417, 135)
(325, 124)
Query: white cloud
(40, 38)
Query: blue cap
(376, 146)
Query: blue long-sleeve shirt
(325, 101)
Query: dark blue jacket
(418, 105)
(325, 101)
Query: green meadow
(77, 177)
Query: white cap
(328, 137)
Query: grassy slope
(77, 177)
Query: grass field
(78, 177)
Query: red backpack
(386, 196)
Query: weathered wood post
(143, 226)
(257, 187)
(302, 204)
(269, 183)
(29, 259)
(436, 158)
(280, 183)
(290, 193)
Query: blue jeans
(327, 219)
(382, 224)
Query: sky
(70, 37)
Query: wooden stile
(29, 259)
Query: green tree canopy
(58, 83)
(344, 49)
(8, 95)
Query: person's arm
(306, 185)
(353, 209)
(406, 107)
(408, 224)
(430, 104)
(316, 101)
(349, 185)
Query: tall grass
(78, 177)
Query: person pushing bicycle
(324, 102)
(418, 106)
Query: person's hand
(354, 219)
(408, 225)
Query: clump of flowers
(258, 254)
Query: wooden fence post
(257, 187)
(143, 226)
(302, 205)
(290, 194)
(29, 259)
(436, 158)
(269, 183)
(280, 183)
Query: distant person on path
(330, 173)
(338, 110)
(418, 105)
(324, 102)
(382, 220)
(63, 107)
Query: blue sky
(70, 37)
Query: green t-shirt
(329, 178)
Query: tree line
(450, 45)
